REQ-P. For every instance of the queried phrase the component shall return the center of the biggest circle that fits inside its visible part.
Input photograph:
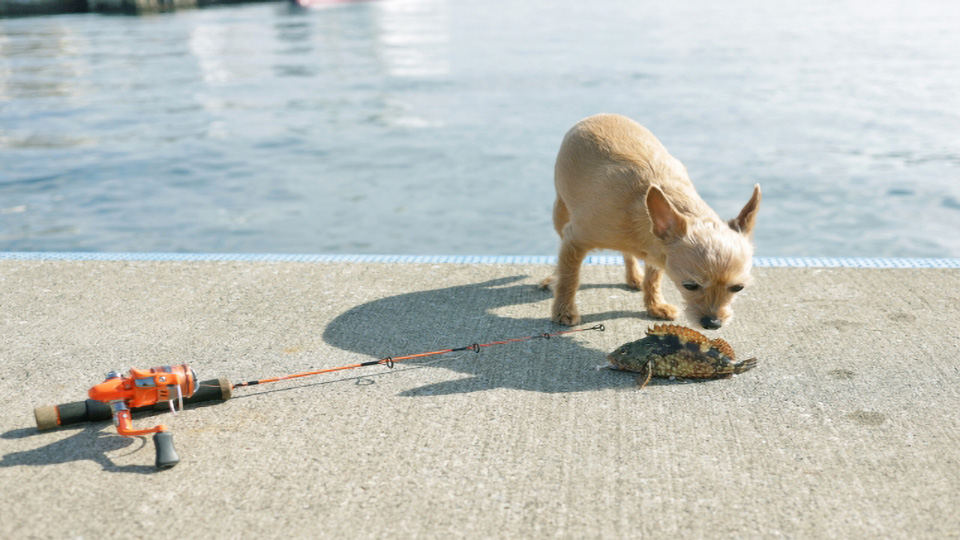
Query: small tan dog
(618, 188)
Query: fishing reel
(142, 391)
(144, 388)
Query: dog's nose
(710, 323)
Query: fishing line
(390, 361)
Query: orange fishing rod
(391, 360)
(119, 395)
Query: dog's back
(604, 167)
(618, 188)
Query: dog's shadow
(465, 314)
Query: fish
(671, 350)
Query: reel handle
(91, 410)
(166, 454)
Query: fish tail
(746, 365)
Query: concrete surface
(848, 428)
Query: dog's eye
(690, 286)
(736, 288)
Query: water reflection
(407, 38)
(46, 62)
(208, 43)
(415, 36)
(351, 50)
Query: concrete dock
(848, 428)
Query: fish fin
(644, 376)
(684, 334)
(725, 349)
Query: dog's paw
(635, 282)
(663, 311)
(548, 283)
(568, 317)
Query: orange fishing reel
(144, 388)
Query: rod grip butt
(166, 454)
(47, 417)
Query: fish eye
(622, 351)
(736, 288)
(690, 285)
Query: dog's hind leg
(653, 300)
(561, 216)
(564, 309)
(634, 272)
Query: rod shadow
(465, 314)
(89, 443)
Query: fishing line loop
(388, 361)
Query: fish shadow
(462, 315)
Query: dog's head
(710, 262)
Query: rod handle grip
(89, 410)
(166, 454)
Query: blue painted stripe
(765, 262)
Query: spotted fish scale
(670, 350)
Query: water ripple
(430, 126)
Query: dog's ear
(748, 216)
(666, 222)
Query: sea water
(431, 126)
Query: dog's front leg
(653, 300)
(567, 282)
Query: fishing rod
(156, 389)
